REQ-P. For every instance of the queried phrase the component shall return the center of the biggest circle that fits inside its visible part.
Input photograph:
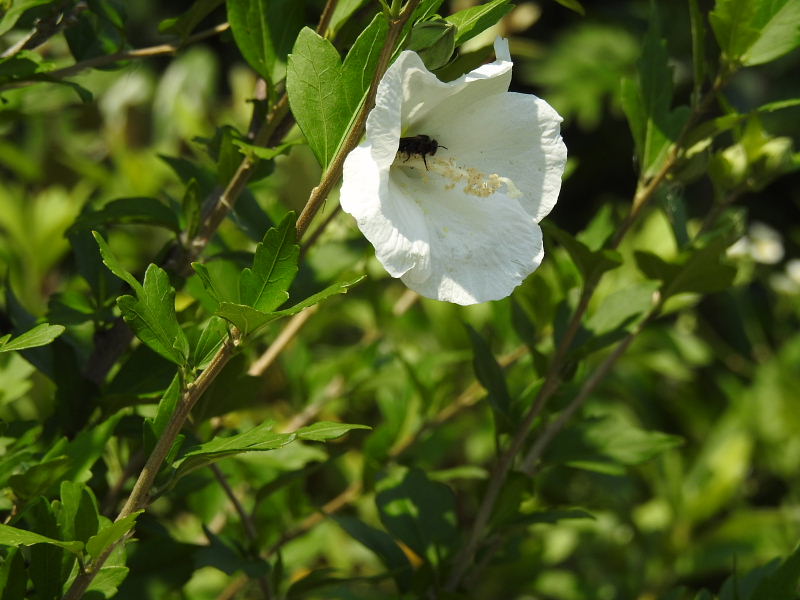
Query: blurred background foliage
(681, 470)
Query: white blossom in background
(460, 225)
(762, 243)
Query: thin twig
(329, 508)
(284, 337)
(247, 524)
(110, 59)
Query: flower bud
(434, 40)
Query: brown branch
(284, 337)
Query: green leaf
(607, 444)
(326, 430)
(13, 576)
(753, 33)
(41, 335)
(646, 102)
(474, 20)
(264, 31)
(589, 262)
(183, 25)
(781, 584)
(573, 5)
(492, 378)
(98, 31)
(325, 94)
(699, 270)
(110, 534)
(262, 152)
(264, 286)
(258, 439)
(382, 545)
(313, 82)
(152, 316)
(79, 517)
(166, 407)
(18, 8)
(144, 211)
(420, 513)
(11, 536)
(248, 320)
(211, 340)
(110, 261)
(37, 479)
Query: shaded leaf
(326, 430)
(589, 262)
(258, 439)
(41, 335)
(492, 378)
(109, 534)
(11, 536)
(142, 210)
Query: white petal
(408, 91)
(513, 135)
(480, 248)
(393, 225)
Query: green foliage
(325, 92)
(624, 426)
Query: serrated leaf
(263, 287)
(476, 19)
(326, 430)
(12, 536)
(248, 320)
(41, 335)
(108, 535)
(258, 439)
(152, 316)
(264, 31)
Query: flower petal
(513, 135)
(395, 226)
(480, 248)
(408, 91)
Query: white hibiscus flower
(457, 222)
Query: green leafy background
(361, 454)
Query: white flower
(460, 225)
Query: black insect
(421, 145)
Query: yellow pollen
(475, 182)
